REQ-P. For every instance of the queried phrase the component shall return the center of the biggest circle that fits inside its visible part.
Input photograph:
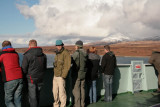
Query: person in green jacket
(79, 68)
(62, 64)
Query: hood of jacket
(84, 53)
(110, 53)
(36, 51)
(9, 50)
(93, 56)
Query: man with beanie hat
(62, 64)
(79, 60)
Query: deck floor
(139, 99)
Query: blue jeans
(34, 94)
(13, 93)
(108, 79)
(93, 91)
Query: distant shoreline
(126, 49)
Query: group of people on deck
(83, 64)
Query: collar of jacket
(60, 51)
(110, 53)
(6, 47)
(80, 49)
(32, 47)
(9, 50)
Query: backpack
(82, 64)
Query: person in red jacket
(11, 75)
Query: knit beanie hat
(79, 43)
(59, 42)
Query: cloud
(17, 40)
(23, 40)
(71, 20)
(151, 14)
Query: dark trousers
(34, 94)
(158, 76)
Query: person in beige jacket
(62, 64)
(155, 61)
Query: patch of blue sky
(12, 21)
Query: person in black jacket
(108, 65)
(92, 73)
(33, 66)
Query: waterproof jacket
(10, 68)
(62, 63)
(34, 65)
(108, 63)
(79, 67)
(93, 66)
(155, 60)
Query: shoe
(102, 100)
(105, 101)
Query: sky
(72, 20)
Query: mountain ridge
(127, 48)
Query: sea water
(120, 60)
